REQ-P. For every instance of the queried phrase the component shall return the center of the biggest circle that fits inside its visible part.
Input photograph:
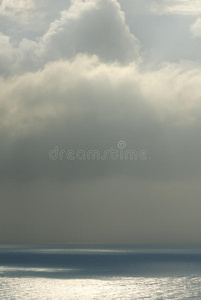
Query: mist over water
(99, 271)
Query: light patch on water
(4, 269)
(114, 288)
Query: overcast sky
(100, 121)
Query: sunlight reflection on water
(112, 288)
(87, 273)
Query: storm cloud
(84, 85)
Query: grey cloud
(109, 210)
(148, 110)
(56, 92)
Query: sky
(100, 118)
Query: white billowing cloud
(174, 89)
(29, 18)
(196, 28)
(8, 55)
(181, 7)
(21, 10)
(17, 5)
(94, 27)
(16, 59)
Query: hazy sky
(100, 121)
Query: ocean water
(62, 272)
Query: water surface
(60, 272)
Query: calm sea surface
(65, 272)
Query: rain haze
(100, 121)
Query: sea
(93, 271)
